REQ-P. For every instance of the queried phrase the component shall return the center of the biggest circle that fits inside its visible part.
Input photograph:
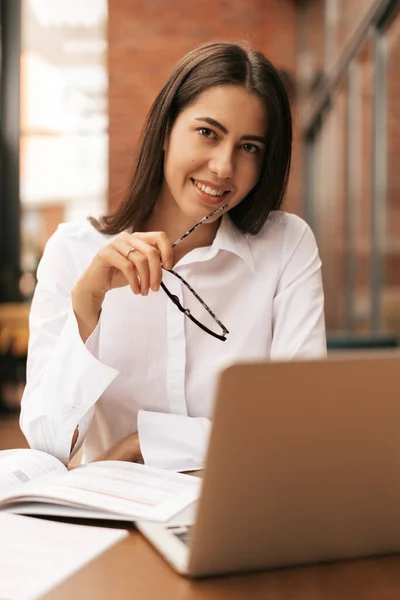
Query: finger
(162, 242)
(151, 252)
(138, 257)
(142, 267)
(153, 256)
(155, 269)
(115, 259)
(133, 280)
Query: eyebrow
(217, 125)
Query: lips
(208, 198)
(209, 188)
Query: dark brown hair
(212, 64)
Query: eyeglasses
(175, 298)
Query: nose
(221, 162)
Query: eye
(251, 148)
(206, 132)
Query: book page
(128, 490)
(21, 466)
(36, 554)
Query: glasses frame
(175, 298)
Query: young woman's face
(214, 152)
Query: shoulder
(70, 250)
(282, 233)
(285, 239)
(283, 224)
(77, 236)
(79, 231)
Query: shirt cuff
(93, 342)
(73, 381)
(173, 442)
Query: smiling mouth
(210, 191)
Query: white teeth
(207, 189)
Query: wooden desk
(134, 570)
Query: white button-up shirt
(147, 367)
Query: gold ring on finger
(131, 249)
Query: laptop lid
(303, 464)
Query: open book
(36, 483)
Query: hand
(127, 449)
(113, 267)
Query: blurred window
(352, 176)
(329, 211)
(313, 47)
(390, 301)
(362, 193)
(349, 16)
(64, 119)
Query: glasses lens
(195, 306)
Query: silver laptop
(303, 466)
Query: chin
(195, 212)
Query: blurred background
(77, 78)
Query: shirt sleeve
(298, 322)
(64, 376)
(174, 442)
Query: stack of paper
(36, 554)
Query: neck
(168, 217)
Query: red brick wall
(147, 37)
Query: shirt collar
(231, 239)
(228, 238)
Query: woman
(114, 360)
